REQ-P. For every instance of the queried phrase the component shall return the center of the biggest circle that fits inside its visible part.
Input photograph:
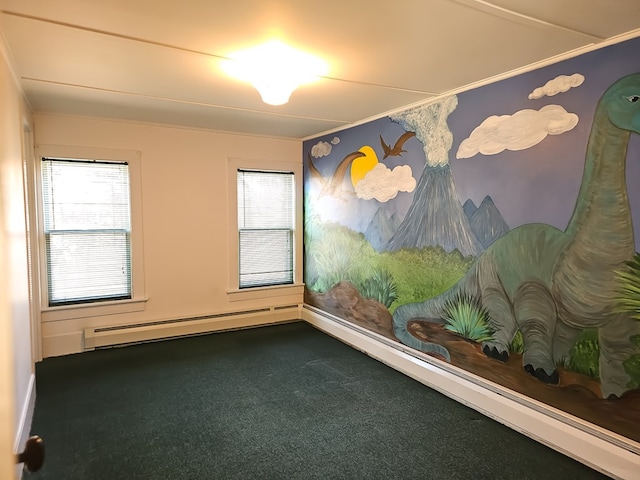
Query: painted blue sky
(538, 184)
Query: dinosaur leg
(503, 322)
(536, 315)
(615, 348)
(563, 340)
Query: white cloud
(519, 131)
(335, 141)
(560, 84)
(321, 149)
(384, 184)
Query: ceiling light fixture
(274, 69)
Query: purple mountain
(486, 221)
(381, 228)
(469, 208)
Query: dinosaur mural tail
(430, 310)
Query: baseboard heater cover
(116, 335)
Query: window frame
(137, 302)
(234, 291)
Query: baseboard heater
(100, 337)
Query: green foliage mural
(629, 290)
(585, 354)
(337, 253)
(466, 316)
(632, 364)
(379, 286)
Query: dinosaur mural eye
(633, 98)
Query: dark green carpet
(279, 402)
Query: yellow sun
(362, 165)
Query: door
(7, 388)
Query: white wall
(185, 217)
(16, 367)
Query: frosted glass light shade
(274, 90)
(274, 69)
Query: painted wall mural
(497, 230)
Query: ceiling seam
(189, 50)
(379, 85)
(489, 7)
(110, 34)
(176, 100)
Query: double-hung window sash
(87, 228)
(265, 228)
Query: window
(265, 228)
(87, 230)
(85, 296)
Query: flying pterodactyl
(333, 186)
(397, 150)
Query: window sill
(265, 292)
(68, 312)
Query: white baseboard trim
(601, 450)
(24, 423)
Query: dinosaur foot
(543, 376)
(492, 352)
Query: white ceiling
(160, 61)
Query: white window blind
(265, 228)
(87, 227)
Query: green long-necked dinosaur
(551, 284)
